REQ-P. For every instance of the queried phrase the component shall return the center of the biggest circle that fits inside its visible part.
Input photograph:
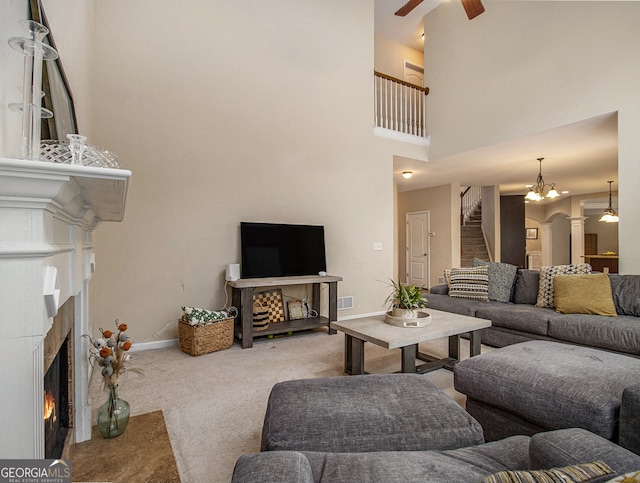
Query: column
(577, 239)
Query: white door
(418, 248)
(413, 73)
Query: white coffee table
(377, 331)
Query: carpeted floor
(214, 404)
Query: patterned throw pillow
(197, 316)
(502, 276)
(633, 477)
(567, 474)
(469, 283)
(545, 290)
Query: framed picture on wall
(532, 233)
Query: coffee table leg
(454, 347)
(475, 345)
(353, 355)
(409, 354)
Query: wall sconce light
(407, 174)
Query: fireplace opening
(56, 403)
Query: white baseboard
(158, 344)
(360, 316)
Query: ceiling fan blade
(407, 7)
(473, 8)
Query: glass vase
(113, 415)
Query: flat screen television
(280, 250)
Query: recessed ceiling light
(564, 192)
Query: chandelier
(609, 215)
(537, 191)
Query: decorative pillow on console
(501, 279)
(545, 290)
(469, 283)
(575, 473)
(584, 294)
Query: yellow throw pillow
(584, 294)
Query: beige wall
(525, 67)
(491, 220)
(440, 201)
(607, 234)
(390, 57)
(233, 111)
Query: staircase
(472, 243)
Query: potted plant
(405, 300)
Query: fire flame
(49, 406)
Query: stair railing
(400, 106)
(470, 198)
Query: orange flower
(122, 327)
(127, 345)
(105, 352)
(107, 334)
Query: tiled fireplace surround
(47, 216)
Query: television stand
(242, 298)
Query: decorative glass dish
(59, 152)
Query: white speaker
(233, 272)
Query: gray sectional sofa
(400, 428)
(519, 320)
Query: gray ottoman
(539, 386)
(390, 412)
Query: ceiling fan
(472, 7)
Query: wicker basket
(213, 337)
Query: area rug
(143, 454)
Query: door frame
(408, 239)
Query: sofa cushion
(584, 294)
(442, 289)
(526, 318)
(550, 384)
(626, 293)
(526, 287)
(575, 445)
(620, 334)
(502, 276)
(567, 474)
(545, 290)
(456, 305)
(274, 466)
(469, 283)
(470, 464)
(378, 412)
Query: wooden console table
(242, 298)
(600, 262)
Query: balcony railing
(400, 106)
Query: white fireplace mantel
(48, 212)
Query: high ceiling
(579, 158)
